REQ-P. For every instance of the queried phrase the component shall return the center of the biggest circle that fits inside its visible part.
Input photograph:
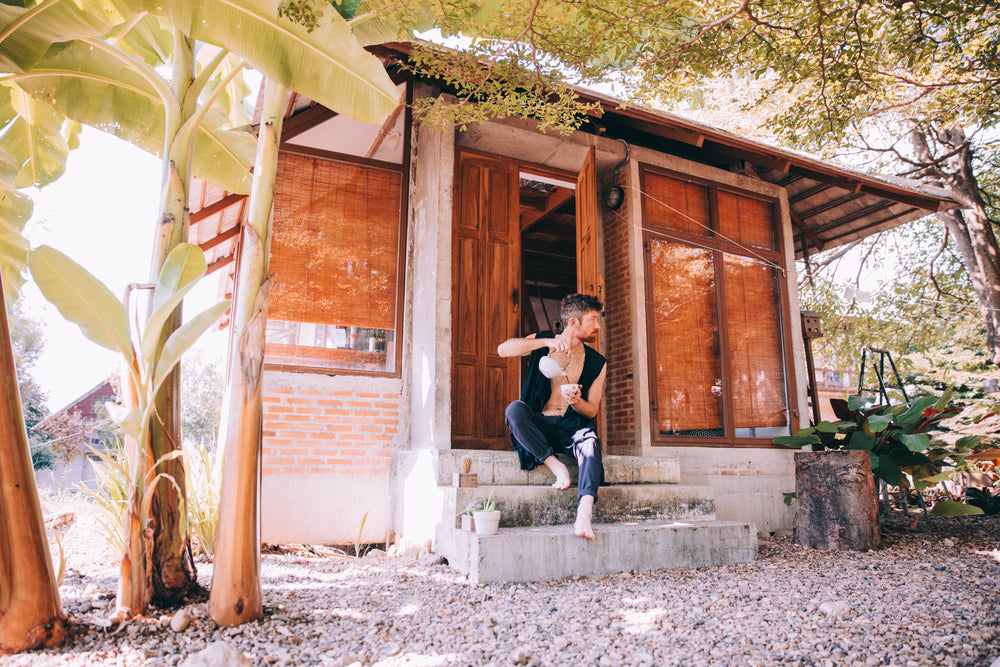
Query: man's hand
(559, 344)
(571, 392)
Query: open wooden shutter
(588, 274)
(485, 301)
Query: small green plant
(359, 549)
(110, 494)
(203, 494)
(488, 505)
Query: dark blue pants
(544, 436)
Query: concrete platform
(546, 553)
(503, 467)
(544, 506)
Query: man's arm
(519, 347)
(590, 406)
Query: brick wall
(333, 430)
(328, 446)
(618, 308)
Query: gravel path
(929, 597)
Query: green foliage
(488, 505)
(985, 499)
(111, 493)
(953, 508)
(359, 550)
(203, 488)
(202, 385)
(82, 299)
(905, 291)
(899, 438)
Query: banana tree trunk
(30, 612)
(134, 585)
(236, 597)
(172, 571)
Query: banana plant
(165, 76)
(30, 610)
(148, 358)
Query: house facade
(402, 255)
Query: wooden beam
(553, 202)
(829, 205)
(856, 215)
(304, 120)
(383, 131)
(797, 221)
(806, 193)
(219, 263)
(220, 237)
(212, 209)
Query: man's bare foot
(584, 513)
(561, 472)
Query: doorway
(522, 240)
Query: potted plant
(485, 516)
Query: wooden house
(402, 255)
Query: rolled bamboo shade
(747, 220)
(753, 317)
(335, 243)
(685, 320)
(676, 204)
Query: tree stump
(837, 501)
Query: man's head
(582, 311)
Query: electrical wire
(665, 234)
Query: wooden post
(837, 502)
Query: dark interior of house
(548, 249)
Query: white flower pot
(487, 523)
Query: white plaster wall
(324, 509)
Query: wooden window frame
(404, 171)
(717, 245)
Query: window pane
(676, 204)
(685, 319)
(334, 254)
(753, 314)
(747, 221)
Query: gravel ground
(930, 596)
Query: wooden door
(588, 274)
(485, 301)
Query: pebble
(911, 602)
(180, 621)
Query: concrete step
(544, 553)
(503, 467)
(544, 506)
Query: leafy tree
(27, 341)
(202, 384)
(913, 82)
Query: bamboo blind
(685, 316)
(676, 204)
(335, 243)
(753, 317)
(746, 220)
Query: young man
(556, 415)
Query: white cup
(569, 389)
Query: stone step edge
(533, 505)
(503, 467)
(544, 553)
